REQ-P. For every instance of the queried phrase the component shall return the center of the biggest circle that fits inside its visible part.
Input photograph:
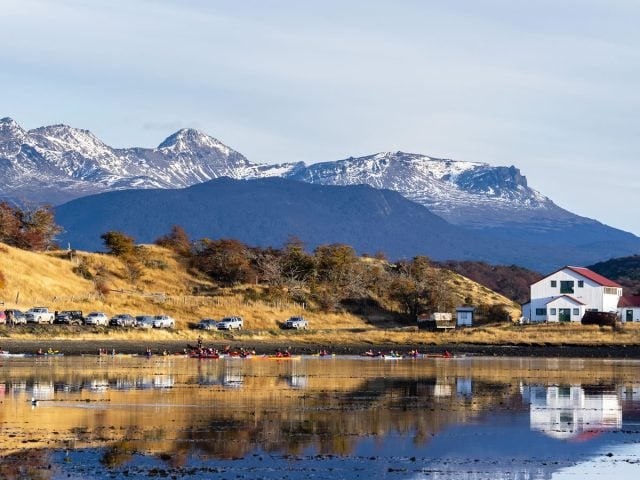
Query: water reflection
(450, 416)
(572, 411)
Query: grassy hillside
(511, 281)
(91, 281)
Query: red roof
(629, 301)
(595, 277)
(569, 297)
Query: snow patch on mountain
(58, 163)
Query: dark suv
(70, 317)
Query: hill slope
(167, 286)
(266, 212)
(625, 271)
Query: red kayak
(213, 356)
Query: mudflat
(80, 347)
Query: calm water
(319, 418)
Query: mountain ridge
(59, 156)
(57, 163)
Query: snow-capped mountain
(58, 163)
(461, 192)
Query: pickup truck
(297, 323)
(40, 315)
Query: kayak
(275, 357)
(213, 356)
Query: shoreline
(80, 347)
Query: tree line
(330, 277)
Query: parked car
(18, 316)
(70, 317)
(122, 320)
(230, 323)
(97, 318)
(163, 321)
(298, 323)
(39, 315)
(207, 324)
(144, 321)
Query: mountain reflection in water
(496, 418)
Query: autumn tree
(176, 240)
(119, 244)
(337, 273)
(224, 260)
(29, 228)
(413, 287)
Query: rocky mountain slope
(59, 163)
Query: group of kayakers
(410, 354)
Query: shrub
(3, 281)
(118, 243)
(83, 270)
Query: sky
(549, 86)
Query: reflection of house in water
(572, 412)
(123, 384)
(439, 387)
(298, 377)
(99, 385)
(163, 381)
(233, 377)
(630, 393)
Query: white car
(163, 321)
(230, 323)
(97, 318)
(297, 323)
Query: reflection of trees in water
(235, 407)
(333, 422)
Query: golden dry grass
(49, 280)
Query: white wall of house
(624, 316)
(562, 307)
(567, 282)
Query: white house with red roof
(629, 308)
(566, 294)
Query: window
(580, 283)
(554, 284)
(541, 312)
(576, 311)
(610, 290)
(566, 286)
(552, 311)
